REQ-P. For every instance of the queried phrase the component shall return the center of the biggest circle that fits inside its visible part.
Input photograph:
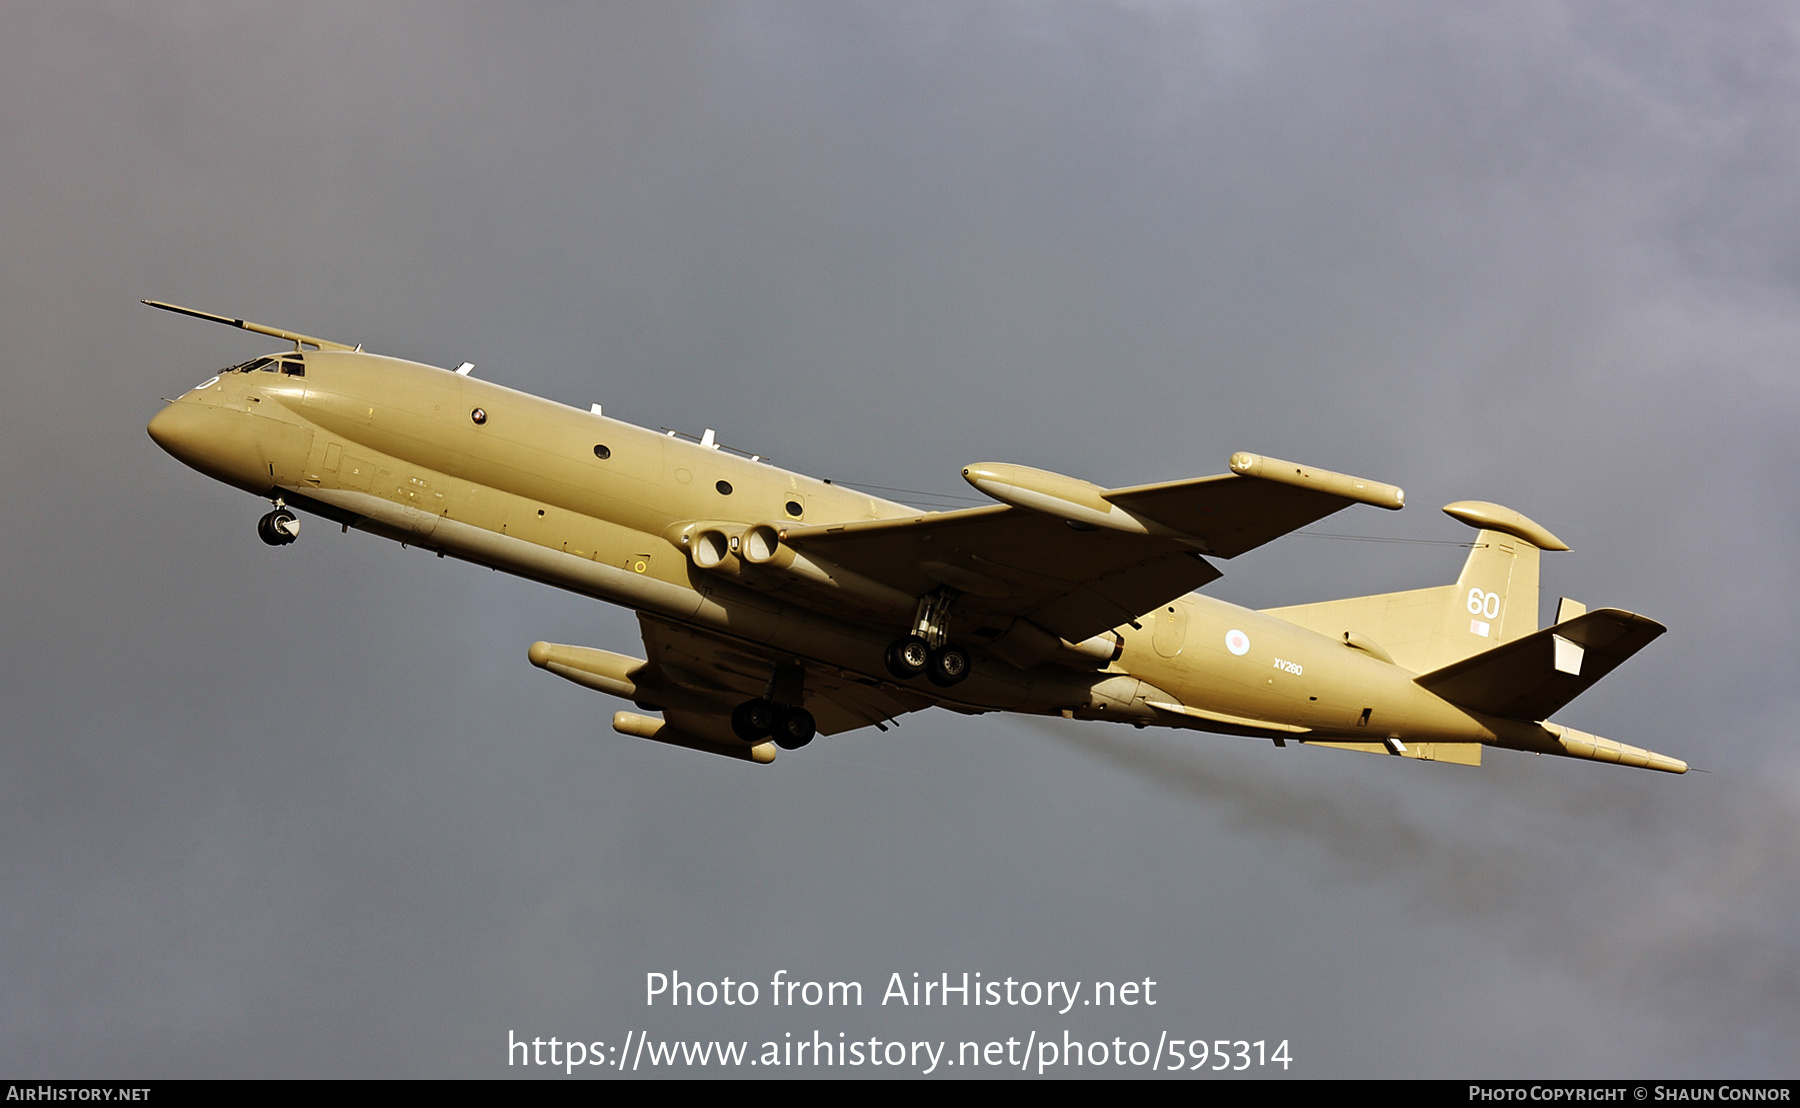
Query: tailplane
(1533, 677)
(1476, 644)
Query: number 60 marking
(1484, 603)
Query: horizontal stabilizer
(1532, 677)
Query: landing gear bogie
(758, 720)
(753, 720)
(794, 728)
(928, 649)
(947, 666)
(908, 657)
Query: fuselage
(587, 503)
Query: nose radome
(246, 449)
(198, 435)
(173, 429)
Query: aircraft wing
(1015, 563)
(1074, 578)
(713, 673)
(1229, 513)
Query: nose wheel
(279, 527)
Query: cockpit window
(292, 365)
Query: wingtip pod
(1580, 744)
(1359, 489)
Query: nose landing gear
(279, 527)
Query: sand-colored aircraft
(775, 606)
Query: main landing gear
(911, 656)
(759, 719)
(777, 714)
(928, 649)
(279, 527)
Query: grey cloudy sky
(310, 812)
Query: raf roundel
(1237, 642)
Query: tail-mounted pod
(1594, 748)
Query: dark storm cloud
(309, 811)
(1638, 899)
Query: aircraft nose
(177, 430)
(240, 448)
(204, 437)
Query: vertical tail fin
(1494, 600)
(1499, 583)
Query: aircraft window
(601, 451)
(479, 415)
(294, 367)
(724, 488)
(250, 366)
(794, 509)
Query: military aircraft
(775, 606)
